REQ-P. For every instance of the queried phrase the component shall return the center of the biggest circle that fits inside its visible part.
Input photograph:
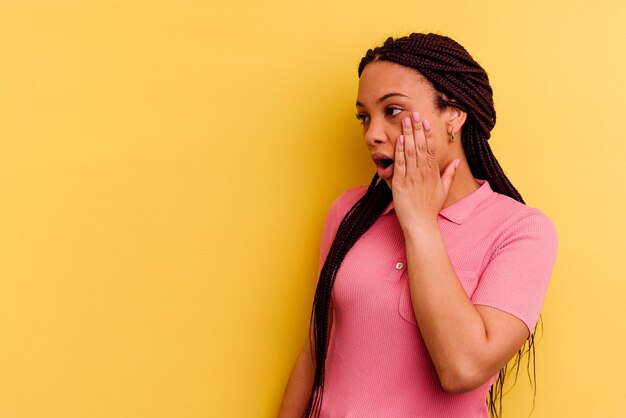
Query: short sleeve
(516, 278)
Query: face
(390, 92)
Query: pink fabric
(378, 366)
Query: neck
(462, 185)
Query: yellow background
(166, 168)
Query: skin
(468, 343)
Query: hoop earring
(452, 136)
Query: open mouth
(384, 162)
(384, 165)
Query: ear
(456, 118)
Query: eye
(392, 111)
(363, 118)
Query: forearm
(299, 385)
(451, 326)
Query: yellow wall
(166, 167)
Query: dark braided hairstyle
(460, 82)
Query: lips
(384, 164)
(381, 160)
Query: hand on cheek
(419, 191)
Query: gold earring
(452, 136)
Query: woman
(433, 276)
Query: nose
(375, 133)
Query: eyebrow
(385, 97)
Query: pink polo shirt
(378, 366)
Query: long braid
(459, 81)
(354, 224)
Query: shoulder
(520, 215)
(518, 221)
(338, 210)
(345, 201)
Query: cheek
(445, 153)
(394, 128)
(442, 145)
(393, 140)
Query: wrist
(420, 228)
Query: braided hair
(459, 81)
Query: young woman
(434, 276)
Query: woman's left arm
(468, 344)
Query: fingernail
(401, 139)
(456, 163)
(426, 125)
(407, 122)
(416, 116)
